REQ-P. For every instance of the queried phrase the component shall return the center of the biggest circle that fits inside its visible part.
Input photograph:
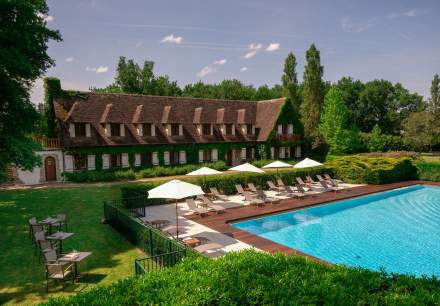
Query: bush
(136, 173)
(256, 278)
(429, 171)
(133, 195)
(394, 154)
(368, 170)
(263, 162)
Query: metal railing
(48, 143)
(156, 262)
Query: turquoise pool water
(398, 231)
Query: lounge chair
(311, 181)
(328, 177)
(217, 208)
(281, 184)
(239, 189)
(218, 195)
(295, 193)
(248, 197)
(272, 186)
(212, 249)
(59, 272)
(252, 187)
(262, 196)
(301, 182)
(172, 230)
(329, 188)
(196, 210)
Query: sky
(192, 40)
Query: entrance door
(50, 169)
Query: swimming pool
(397, 230)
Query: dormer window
(80, 130)
(206, 129)
(175, 129)
(115, 129)
(250, 129)
(229, 129)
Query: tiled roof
(99, 108)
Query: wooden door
(50, 169)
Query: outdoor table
(49, 221)
(59, 236)
(191, 242)
(75, 258)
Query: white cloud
(351, 27)
(220, 62)
(243, 69)
(171, 39)
(207, 70)
(100, 69)
(70, 59)
(273, 47)
(255, 46)
(250, 54)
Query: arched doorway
(50, 169)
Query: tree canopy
(24, 38)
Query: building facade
(107, 131)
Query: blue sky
(248, 40)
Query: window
(115, 160)
(207, 154)
(115, 129)
(284, 129)
(206, 129)
(146, 158)
(147, 129)
(174, 158)
(249, 128)
(175, 129)
(229, 128)
(79, 162)
(80, 129)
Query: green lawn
(22, 278)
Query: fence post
(151, 242)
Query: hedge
(429, 171)
(256, 278)
(136, 195)
(137, 173)
(367, 170)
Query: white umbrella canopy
(307, 162)
(278, 164)
(175, 189)
(246, 168)
(204, 171)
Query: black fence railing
(157, 262)
(151, 240)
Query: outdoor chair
(217, 194)
(239, 189)
(32, 222)
(59, 272)
(281, 184)
(62, 221)
(51, 256)
(248, 197)
(196, 210)
(210, 249)
(217, 208)
(262, 196)
(328, 177)
(329, 188)
(272, 186)
(301, 182)
(295, 193)
(252, 187)
(311, 181)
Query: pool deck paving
(221, 222)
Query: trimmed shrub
(394, 154)
(367, 170)
(429, 171)
(256, 278)
(157, 171)
(263, 162)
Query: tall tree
(313, 96)
(350, 91)
(290, 81)
(434, 101)
(129, 76)
(418, 132)
(24, 38)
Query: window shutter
(243, 154)
(282, 151)
(244, 129)
(153, 130)
(91, 162)
(180, 130)
(214, 155)
(137, 160)
(105, 161)
(124, 160)
(108, 130)
(182, 157)
(233, 129)
(68, 159)
(140, 128)
(211, 130)
(288, 152)
(298, 151)
(272, 153)
(88, 131)
(122, 129)
(200, 156)
(72, 130)
(166, 157)
(223, 129)
(253, 129)
(290, 129)
(168, 129)
(280, 129)
(155, 158)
